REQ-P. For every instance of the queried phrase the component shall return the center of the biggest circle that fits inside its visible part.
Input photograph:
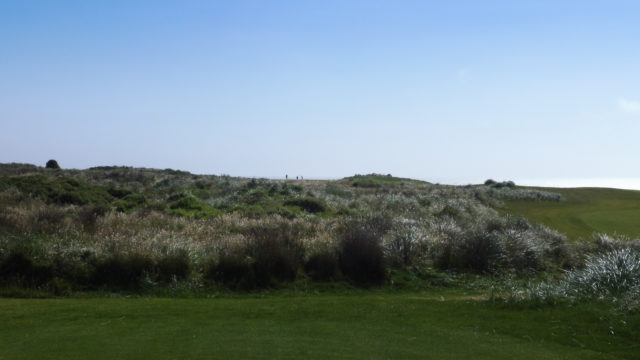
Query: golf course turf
(374, 326)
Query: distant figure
(296, 178)
(286, 177)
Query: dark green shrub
(52, 164)
(190, 206)
(76, 268)
(175, 265)
(277, 251)
(471, 251)
(361, 252)
(307, 204)
(234, 271)
(323, 266)
(130, 202)
(89, 214)
(122, 271)
(58, 190)
(18, 268)
(118, 192)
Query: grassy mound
(585, 211)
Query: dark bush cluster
(19, 268)
(84, 271)
(272, 254)
(52, 164)
(122, 271)
(307, 204)
(361, 253)
(323, 266)
(496, 184)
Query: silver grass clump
(610, 275)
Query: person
(286, 176)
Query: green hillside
(586, 210)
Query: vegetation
(373, 325)
(584, 211)
(118, 231)
(52, 164)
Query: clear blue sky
(448, 91)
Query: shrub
(470, 250)
(233, 271)
(174, 266)
(189, 206)
(323, 266)
(361, 251)
(307, 204)
(74, 267)
(88, 215)
(606, 275)
(18, 268)
(402, 248)
(277, 251)
(123, 271)
(52, 164)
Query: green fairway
(375, 326)
(586, 210)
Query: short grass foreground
(377, 325)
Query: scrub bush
(607, 275)
(361, 253)
(18, 268)
(323, 266)
(123, 271)
(234, 271)
(307, 204)
(175, 265)
(52, 164)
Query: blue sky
(452, 92)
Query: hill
(584, 211)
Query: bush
(52, 164)
(402, 248)
(606, 275)
(174, 266)
(277, 251)
(307, 204)
(189, 206)
(18, 268)
(233, 271)
(273, 253)
(123, 271)
(323, 266)
(88, 215)
(361, 252)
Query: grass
(375, 325)
(586, 210)
(380, 180)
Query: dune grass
(364, 326)
(585, 211)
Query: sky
(539, 92)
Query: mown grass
(360, 326)
(586, 210)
